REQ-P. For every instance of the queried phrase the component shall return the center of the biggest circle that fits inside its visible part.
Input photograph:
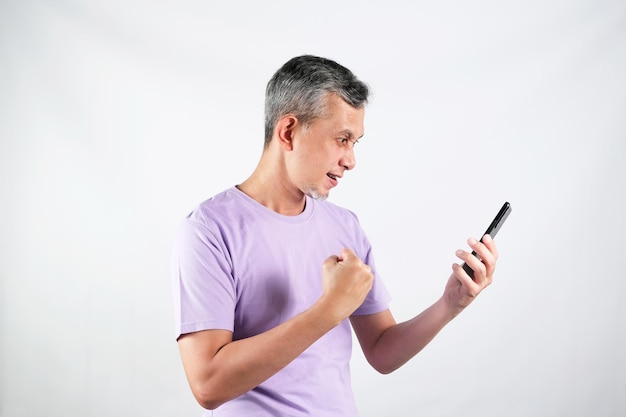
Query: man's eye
(346, 141)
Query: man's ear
(284, 131)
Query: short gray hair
(300, 87)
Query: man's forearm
(241, 365)
(401, 342)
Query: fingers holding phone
(476, 273)
(489, 234)
(481, 262)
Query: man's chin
(316, 195)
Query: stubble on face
(314, 193)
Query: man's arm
(219, 369)
(387, 345)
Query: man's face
(324, 150)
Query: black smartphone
(492, 230)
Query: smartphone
(492, 230)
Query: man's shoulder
(219, 207)
(224, 199)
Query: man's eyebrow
(349, 134)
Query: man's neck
(268, 188)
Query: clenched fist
(346, 282)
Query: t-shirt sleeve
(378, 298)
(203, 287)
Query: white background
(117, 117)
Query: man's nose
(348, 161)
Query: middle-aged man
(269, 278)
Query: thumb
(346, 255)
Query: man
(267, 273)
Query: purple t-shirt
(242, 267)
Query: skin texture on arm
(219, 369)
(387, 345)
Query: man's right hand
(346, 281)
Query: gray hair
(300, 87)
